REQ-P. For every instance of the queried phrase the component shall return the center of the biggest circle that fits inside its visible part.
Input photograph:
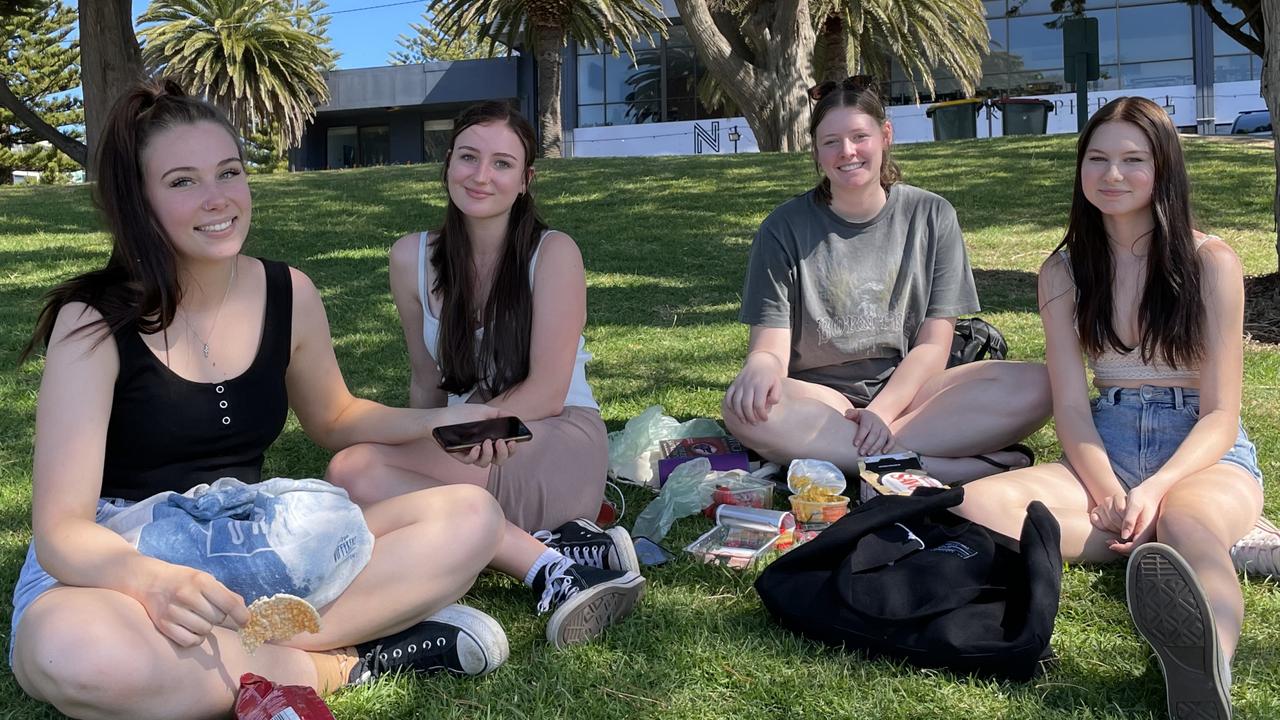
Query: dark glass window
(1155, 32)
(375, 145)
(341, 150)
(590, 79)
(435, 139)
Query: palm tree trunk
(110, 60)
(1271, 93)
(550, 41)
(835, 49)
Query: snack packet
(261, 699)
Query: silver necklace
(204, 344)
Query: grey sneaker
(458, 639)
(584, 600)
(583, 542)
(1258, 553)
(1172, 613)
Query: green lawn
(665, 242)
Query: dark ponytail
(139, 285)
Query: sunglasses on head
(853, 83)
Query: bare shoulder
(404, 252)
(559, 247)
(72, 317)
(306, 297)
(1055, 275)
(79, 338)
(1217, 257)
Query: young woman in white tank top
(493, 306)
(1157, 467)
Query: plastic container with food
(741, 490)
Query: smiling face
(197, 189)
(1118, 171)
(849, 148)
(487, 170)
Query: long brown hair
(507, 316)
(858, 92)
(139, 285)
(1171, 311)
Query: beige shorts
(558, 475)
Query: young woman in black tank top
(175, 365)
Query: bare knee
(351, 468)
(485, 521)
(85, 669)
(1029, 382)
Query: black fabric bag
(902, 577)
(976, 339)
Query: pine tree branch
(73, 148)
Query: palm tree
(543, 28)
(252, 58)
(922, 35)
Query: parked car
(1252, 122)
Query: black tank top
(168, 433)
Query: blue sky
(365, 37)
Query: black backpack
(902, 577)
(976, 339)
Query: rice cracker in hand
(278, 617)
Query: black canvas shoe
(583, 542)
(584, 600)
(458, 639)
(1171, 612)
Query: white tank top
(579, 394)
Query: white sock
(547, 557)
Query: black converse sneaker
(584, 600)
(458, 639)
(583, 542)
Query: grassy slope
(665, 242)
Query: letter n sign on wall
(702, 138)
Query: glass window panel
(435, 139)
(1155, 32)
(1108, 78)
(1038, 82)
(590, 115)
(588, 48)
(1038, 47)
(1029, 7)
(994, 9)
(996, 64)
(1223, 44)
(682, 72)
(341, 147)
(631, 113)
(678, 36)
(590, 79)
(1107, 36)
(375, 145)
(682, 109)
(1232, 68)
(643, 81)
(1157, 74)
(617, 71)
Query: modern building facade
(1168, 51)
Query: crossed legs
(973, 409)
(94, 653)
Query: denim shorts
(33, 581)
(1141, 428)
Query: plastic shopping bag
(635, 450)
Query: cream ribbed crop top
(1111, 366)
(579, 394)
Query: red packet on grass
(261, 699)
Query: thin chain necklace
(204, 344)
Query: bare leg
(372, 473)
(1201, 517)
(95, 653)
(808, 422)
(974, 409)
(999, 502)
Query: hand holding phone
(463, 437)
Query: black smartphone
(464, 436)
(651, 553)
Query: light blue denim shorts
(1142, 427)
(33, 581)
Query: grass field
(665, 243)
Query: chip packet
(261, 699)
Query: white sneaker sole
(628, 561)
(1171, 612)
(585, 616)
(482, 643)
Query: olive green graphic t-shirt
(856, 293)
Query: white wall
(909, 122)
